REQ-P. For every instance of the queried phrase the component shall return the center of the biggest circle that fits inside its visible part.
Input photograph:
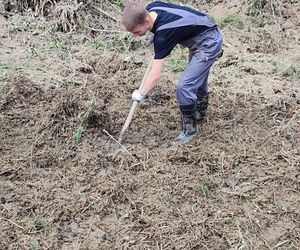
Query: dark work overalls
(204, 49)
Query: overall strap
(188, 18)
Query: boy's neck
(153, 16)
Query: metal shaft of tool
(134, 105)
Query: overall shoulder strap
(187, 18)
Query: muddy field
(65, 87)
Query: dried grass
(40, 7)
(162, 194)
(274, 7)
(67, 17)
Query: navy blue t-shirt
(165, 40)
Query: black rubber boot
(202, 104)
(188, 123)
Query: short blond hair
(134, 15)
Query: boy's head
(136, 19)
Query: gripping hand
(137, 96)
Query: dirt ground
(63, 96)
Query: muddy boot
(202, 104)
(188, 123)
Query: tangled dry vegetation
(64, 95)
(69, 15)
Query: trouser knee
(185, 96)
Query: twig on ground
(14, 223)
(281, 243)
(105, 13)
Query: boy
(175, 24)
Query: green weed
(119, 3)
(205, 191)
(291, 71)
(234, 20)
(89, 109)
(15, 26)
(6, 69)
(32, 52)
(58, 46)
(178, 60)
(44, 51)
(245, 233)
(97, 45)
(214, 19)
(42, 224)
(283, 207)
(73, 85)
(34, 244)
(257, 21)
(116, 43)
(2, 74)
(256, 16)
(78, 133)
(254, 10)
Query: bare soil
(63, 184)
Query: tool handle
(134, 105)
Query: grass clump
(89, 109)
(2, 74)
(42, 224)
(78, 133)
(178, 60)
(34, 244)
(256, 13)
(257, 7)
(289, 70)
(206, 193)
(234, 20)
(119, 3)
(283, 207)
(118, 43)
(8, 68)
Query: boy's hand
(137, 96)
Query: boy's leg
(193, 83)
(202, 100)
(194, 78)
